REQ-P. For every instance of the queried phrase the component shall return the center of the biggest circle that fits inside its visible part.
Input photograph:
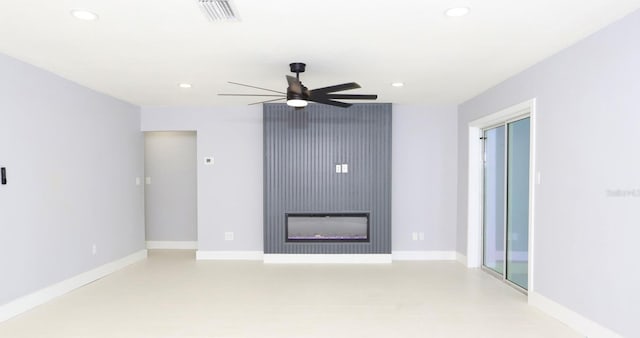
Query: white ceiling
(140, 50)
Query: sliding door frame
(505, 191)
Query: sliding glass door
(506, 201)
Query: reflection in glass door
(518, 202)
(494, 201)
(506, 201)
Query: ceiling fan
(298, 96)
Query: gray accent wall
(72, 156)
(587, 212)
(301, 151)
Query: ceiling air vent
(218, 10)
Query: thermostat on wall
(208, 160)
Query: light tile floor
(172, 295)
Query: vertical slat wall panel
(301, 150)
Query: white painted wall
(72, 156)
(588, 122)
(170, 169)
(424, 177)
(230, 193)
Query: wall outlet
(414, 236)
(147, 180)
(228, 236)
(137, 180)
(345, 168)
(421, 235)
(338, 168)
(94, 249)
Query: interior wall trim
(173, 245)
(229, 255)
(46, 294)
(461, 258)
(328, 258)
(576, 321)
(424, 255)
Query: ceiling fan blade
(251, 95)
(282, 98)
(351, 96)
(294, 84)
(337, 88)
(250, 86)
(325, 100)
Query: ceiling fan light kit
(299, 96)
(297, 103)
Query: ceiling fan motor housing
(297, 67)
(293, 95)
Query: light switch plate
(338, 168)
(345, 168)
(147, 180)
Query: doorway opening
(170, 164)
(501, 194)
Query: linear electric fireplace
(327, 227)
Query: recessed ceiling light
(184, 85)
(397, 84)
(83, 14)
(457, 11)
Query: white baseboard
(179, 245)
(424, 255)
(327, 258)
(42, 296)
(576, 321)
(229, 255)
(462, 259)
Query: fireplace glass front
(327, 227)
